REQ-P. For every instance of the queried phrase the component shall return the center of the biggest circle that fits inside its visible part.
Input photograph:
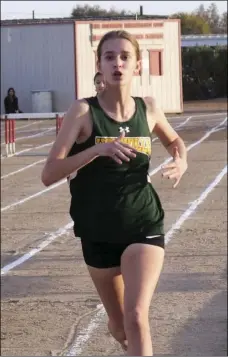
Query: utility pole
(33, 14)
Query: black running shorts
(107, 255)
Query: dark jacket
(11, 104)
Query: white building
(61, 56)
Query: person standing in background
(11, 102)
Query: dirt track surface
(213, 105)
(49, 305)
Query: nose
(118, 63)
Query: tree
(202, 12)
(192, 24)
(217, 23)
(223, 23)
(213, 18)
(95, 11)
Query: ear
(138, 67)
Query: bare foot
(118, 335)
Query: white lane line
(33, 148)
(22, 169)
(23, 126)
(184, 122)
(33, 136)
(40, 247)
(195, 204)
(32, 130)
(39, 193)
(177, 127)
(196, 115)
(84, 335)
(208, 133)
(29, 149)
(18, 261)
(224, 127)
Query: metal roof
(186, 40)
(62, 20)
(204, 40)
(204, 36)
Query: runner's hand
(117, 150)
(176, 169)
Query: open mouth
(117, 74)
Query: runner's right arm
(58, 165)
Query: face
(118, 61)
(99, 83)
(11, 92)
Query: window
(156, 62)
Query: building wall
(38, 57)
(155, 36)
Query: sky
(44, 9)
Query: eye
(125, 57)
(109, 57)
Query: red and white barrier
(10, 136)
(10, 120)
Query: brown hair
(118, 34)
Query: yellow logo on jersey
(141, 144)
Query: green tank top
(112, 202)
